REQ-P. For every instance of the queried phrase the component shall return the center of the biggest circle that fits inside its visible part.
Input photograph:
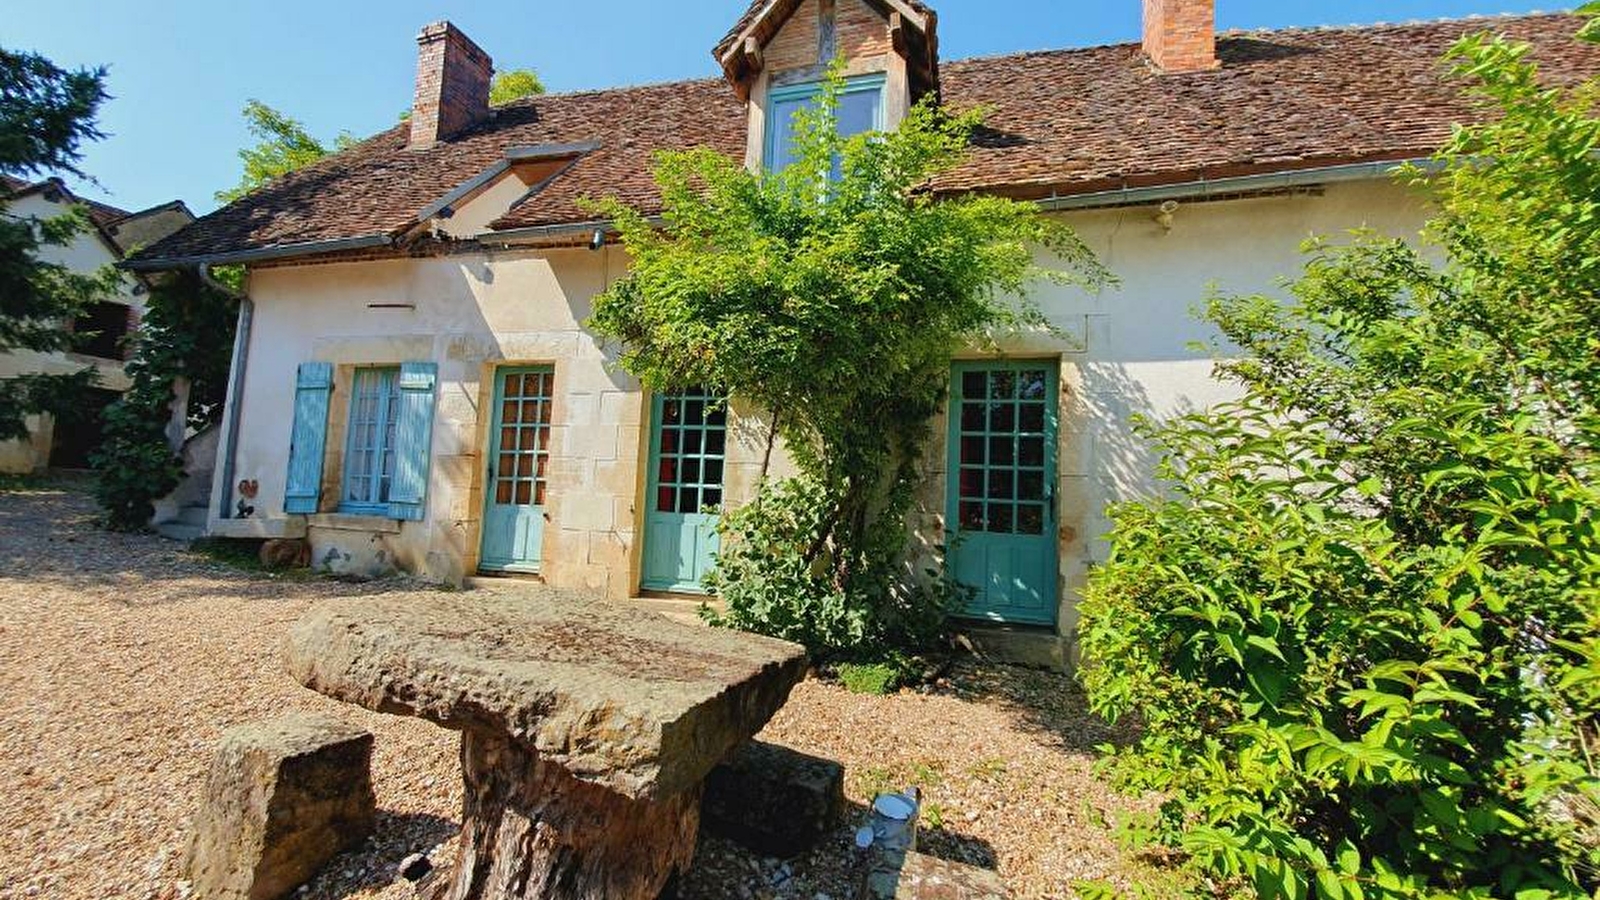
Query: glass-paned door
(1001, 496)
(519, 459)
(688, 447)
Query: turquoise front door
(688, 444)
(519, 455)
(1001, 492)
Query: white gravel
(123, 657)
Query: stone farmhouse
(415, 389)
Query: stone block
(284, 796)
(925, 877)
(774, 800)
(286, 553)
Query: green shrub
(870, 678)
(772, 575)
(1362, 625)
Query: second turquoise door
(688, 445)
(519, 457)
(1002, 504)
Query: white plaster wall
(85, 253)
(1124, 351)
(1130, 350)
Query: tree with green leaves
(514, 84)
(1361, 624)
(283, 146)
(831, 294)
(46, 114)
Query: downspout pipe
(230, 413)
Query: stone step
(925, 877)
(193, 514)
(178, 531)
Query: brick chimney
(1181, 35)
(452, 84)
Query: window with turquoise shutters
(313, 384)
(408, 494)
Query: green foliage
(45, 114)
(186, 333)
(831, 294)
(869, 678)
(283, 146)
(514, 84)
(1362, 626)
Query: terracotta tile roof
(1067, 121)
(102, 214)
(1078, 120)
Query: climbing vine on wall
(187, 332)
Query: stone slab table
(587, 727)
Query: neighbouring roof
(1059, 123)
(102, 214)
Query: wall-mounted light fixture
(1165, 213)
(598, 239)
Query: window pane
(715, 441)
(669, 440)
(973, 384)
(513, 386)
(858, 111)
(691, 471)
(664, 499)
(972, 451)
(689, 500)
(972, 417)
(1030, 485)
(1031, 452)
(1000, 484)
(1000, 450)
(1030, 519)
(668, 471)
(1002, 416)
(691, 441)
(1030, 417)
(694, 412)
(971, 515)
(1000, 518)
(1003, 386)
(525, 466)
(1031, 384)
(972, 482)
(718, 416)
(781, 149)
(538, 494)
(713, 472)
(524, 493)
(502, 492)
(711, 497)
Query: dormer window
(861, 109)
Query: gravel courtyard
(123, 657)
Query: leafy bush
(830, 295)
(1363, 624)
(870, 678)
(772, 579)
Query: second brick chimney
(452, 84)
(1181, 35)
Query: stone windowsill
(352, 522)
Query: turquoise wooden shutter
(413, 435)
(313, 384)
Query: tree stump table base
(532, 830)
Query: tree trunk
(532, 830)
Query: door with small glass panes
(1001, 506)
(688, 446)
(518, 468)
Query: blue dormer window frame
(791, 98)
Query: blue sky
(180, 70)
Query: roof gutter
(259, 254)
(1240, 184)
(538, 234)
